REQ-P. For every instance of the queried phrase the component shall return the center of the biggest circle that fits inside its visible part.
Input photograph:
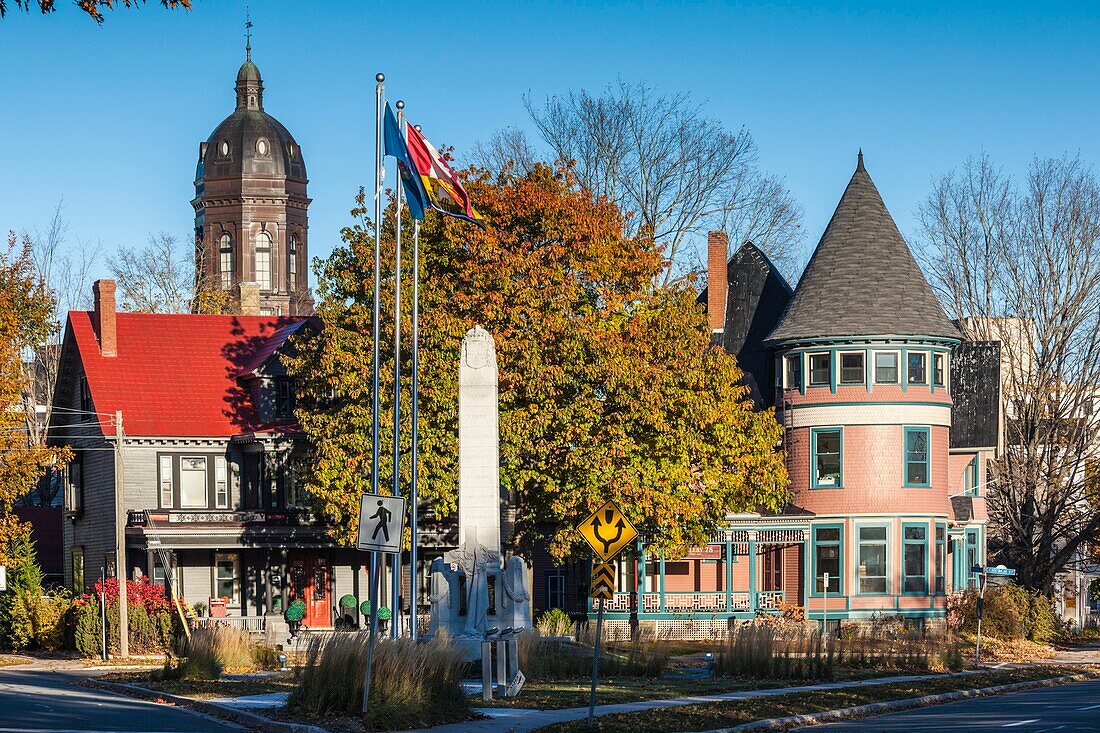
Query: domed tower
(251, 221)
(863, 361)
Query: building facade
(888, 513)
(251, 207)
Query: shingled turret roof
(862, 279)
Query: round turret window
(261, 146)
(224, 148)
(293, 149)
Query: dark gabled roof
(862, 279)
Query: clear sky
(109, 119)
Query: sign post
(381, 530)
(607, 532)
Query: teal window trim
(923, 544)
(839, 544)
(972, 477)
(924, 380)
(885, 544)
(814, 433)
(939, 373)
(939, 560)
(927, 431)
(834, 370)
(810, 370)
(799, 377)
(863, 368)
(972, 545)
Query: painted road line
(1021, 722)
(1090, 707)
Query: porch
(739, 574)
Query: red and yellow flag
(441, 183)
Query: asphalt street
(1065, 708)
(41, 698)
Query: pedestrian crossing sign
(381, 523)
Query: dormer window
(284, 398)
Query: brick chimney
(250, 299)
(717, 279)
(103, 317)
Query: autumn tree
(1019, 263)
(26, 310)
(609, 386)
(94, 8)
(672, 169)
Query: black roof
(862, 279)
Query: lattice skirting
(692, 629)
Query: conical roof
(862, 279)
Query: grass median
(707, 716)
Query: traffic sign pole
(595, 664)
(373, 593)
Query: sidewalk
(517, 720)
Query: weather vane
(248, 31)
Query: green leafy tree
(609, 386)
(94, 8)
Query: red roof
(175, 372)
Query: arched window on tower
(225, 258)
(263, 260)
(292, 269)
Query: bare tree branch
(1021, 265)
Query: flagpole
(413, 575)
(395, 595)
(379, 178)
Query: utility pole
(120, 542)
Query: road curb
(891, 706)
(252, 721)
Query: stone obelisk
(478, 443)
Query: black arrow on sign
(620, 526)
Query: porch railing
(713, 602)
(251, 624)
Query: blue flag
(415, 194)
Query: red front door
(309, 583)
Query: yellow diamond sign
(607, 531)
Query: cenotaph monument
(477, 597)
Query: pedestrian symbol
(381, 523)
(607, 531)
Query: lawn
(229, 686)
(727, 714)
(573, 693)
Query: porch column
(752, 570)
(266, 580)
(662, 580)
(639, 578)
(807, 573)
(729, 574)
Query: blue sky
(109, 119)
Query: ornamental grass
(413, 684)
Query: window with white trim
(794, 371)
(886, 367)
(872, 559)
(227, 574)
(193, 482)
(221, 483)
(166, 483)
(225, 254)
(939, 370)
(851, 368)
(819, 369)
(263, 260)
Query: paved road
(1065, 708)
(41, 698)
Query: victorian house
(887, 434)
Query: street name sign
(381, 523)
(607, 531)
(1000, 570)
(603, 581)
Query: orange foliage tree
(609, 385)
(26, 309)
